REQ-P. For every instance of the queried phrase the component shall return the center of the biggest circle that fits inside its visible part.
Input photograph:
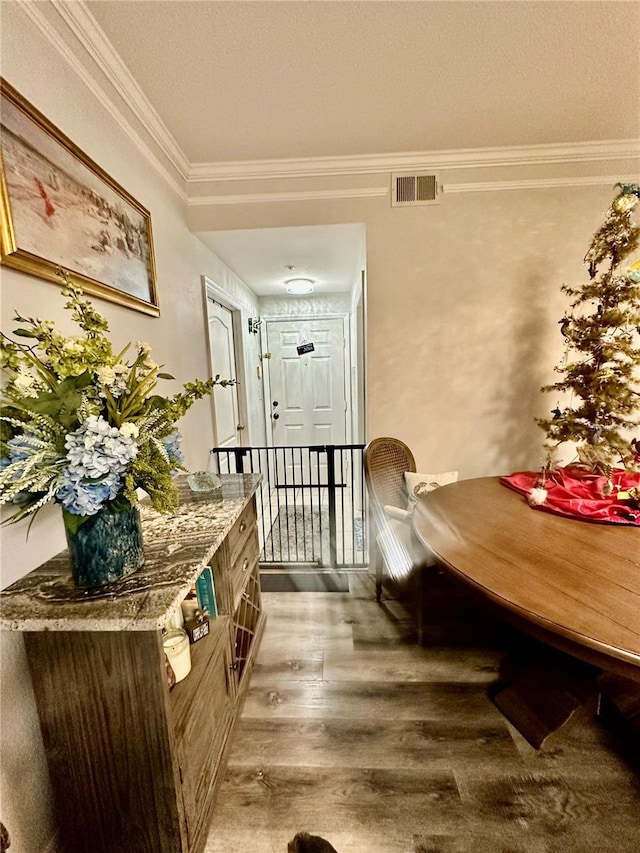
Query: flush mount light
(299, 286)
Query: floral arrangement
(82, 425)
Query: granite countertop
(176, 549)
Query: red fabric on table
(577, 493)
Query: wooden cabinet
(135, 766)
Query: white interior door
(223, 362)
(307, 390)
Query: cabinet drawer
(241, 567)
(241, 530)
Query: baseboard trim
(292, 581)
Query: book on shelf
(206, 593)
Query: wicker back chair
(385, 462)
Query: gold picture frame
(60, 210)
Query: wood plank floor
(354, 732)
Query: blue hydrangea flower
(87, 497)
(19, 448)
(5, 462)
(172, 445)
(96, 449)
(97, 455)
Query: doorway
(224, 329)
(259, 264)
(307, 383)
(308, 356)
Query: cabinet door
(200, 741)
(246, 621)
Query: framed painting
(60, 210)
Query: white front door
(307, 390)
(223, 362)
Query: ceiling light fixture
(300, 286)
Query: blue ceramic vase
(106, 547)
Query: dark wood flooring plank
(284, 668)
(319, 608)
(586, 749)
(413, 664)
(588, 812)
(339, 798)
(368, 840)
(286, 648)
(372, 700)
(388, 744)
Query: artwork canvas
(60, 210)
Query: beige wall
(463, 317)
(463, 303)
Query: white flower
(106, 375)
(72, 346)
(114, 379)
(129, 430)
(143, 347)
(25, 384)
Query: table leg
(545, 696)
(619, 707)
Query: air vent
(414, 189)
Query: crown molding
(368, 164)
(382, 192)
(275, 198)
(536, 184)
(82, 23)
(48, 31)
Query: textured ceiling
(329, 255)
(260, 80)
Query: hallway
(354, 732)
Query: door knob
(240, 427)
(275, 416)
(275, 403)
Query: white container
(176, 647)
(189, 607)
(176, 620)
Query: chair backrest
(385, 461)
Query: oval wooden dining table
(573, 584)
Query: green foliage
(151, 471)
